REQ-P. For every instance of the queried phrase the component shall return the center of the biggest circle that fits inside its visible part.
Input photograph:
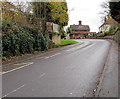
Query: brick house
(79, 31)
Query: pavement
(108, 86)
(74, 71)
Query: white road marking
(22, 63)
(42, 74)
(52, 55)
(30, 63)
(47, 57)
(14, 91)
(81, 46)
(94, 90)
(39, 57)
(71, 49)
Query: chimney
(80, 22)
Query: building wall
(49, 26)
(107, 24)
(104, 28)
(53, 28)
(78, 34)
(56, 38)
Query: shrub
(26, 42)
(10, 44)
(41, 43)
(17, 44)
(112, 29)
(51, 44)
(19, 39)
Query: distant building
(79, 31)
(92, 35)
(108, 22)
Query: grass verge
(66, 42)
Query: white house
(109, 21)
(104, 27)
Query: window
(76, 34)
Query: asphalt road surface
(65, 72)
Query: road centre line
(81, 46)
(42, 74)
(28, 64)
(14, 90)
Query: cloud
(87, 11)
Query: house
(108, 22)
(79, 31)
(53, 32)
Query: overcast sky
(87, 11)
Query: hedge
(18, 39)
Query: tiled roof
(80, 27)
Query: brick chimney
(80, 22)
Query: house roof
(108, 21)
(80, 27)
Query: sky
(88, 11)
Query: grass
(66, 42)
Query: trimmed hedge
(18, 39)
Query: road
(64, 72)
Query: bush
(19, 39)
(10, 44)
(26, 42)
(41, 43)
(51, 44)
(17, 44)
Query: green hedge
(18, 39)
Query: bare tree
(105, 10)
